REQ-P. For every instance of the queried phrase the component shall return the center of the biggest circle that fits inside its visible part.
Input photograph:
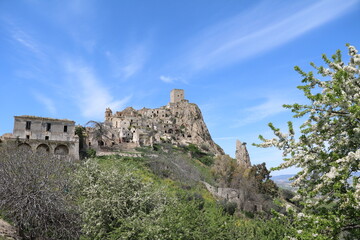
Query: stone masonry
(56, 136)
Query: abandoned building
(55, 136)
(179, 123)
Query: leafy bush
(114, 200)
(195, 152)
(229, 207)
(156, 147)
(207, 160)
(91, 153)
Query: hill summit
(179, 123)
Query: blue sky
(72, 59)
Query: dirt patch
(7, 231)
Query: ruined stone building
(56, 136)
(179, 122)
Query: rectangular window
(48, 127)
(46, 137)
(27, 136)
(65, 128)
(28, 125)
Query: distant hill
(283, 181)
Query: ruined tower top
(108, 114)
(177, 95)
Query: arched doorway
(43, 148)
(61, 150)
(24, 147)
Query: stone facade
(56, 136)
(177, 95)
(179, 123)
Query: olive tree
(327, 150)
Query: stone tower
(108, 114)
(176, 95)
(242, 155)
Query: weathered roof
(44, 118)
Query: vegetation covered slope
(122, 198)
(157, 196)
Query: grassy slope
(178, 174)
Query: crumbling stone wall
(55, 136)
(31, 127)
(237, 196)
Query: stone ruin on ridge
(178, 123)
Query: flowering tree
(327, 150)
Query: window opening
(65, 128)
(46, 137)
(27, 136)
(48, 127)
(28, 125)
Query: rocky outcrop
(242, 155)
(194, 129)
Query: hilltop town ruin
(178, 123)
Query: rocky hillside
(190, 119)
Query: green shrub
(229, 207)
(156, 147)
(114, 199)
(249, 214)
(194, 151)
(207, 160)
(91, 153)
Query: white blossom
(328, 150)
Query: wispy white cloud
(270, 107)
(266, 26)
(167, 79)
(130, 63)
(27, 42)
(47, 102)
(91, 97)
